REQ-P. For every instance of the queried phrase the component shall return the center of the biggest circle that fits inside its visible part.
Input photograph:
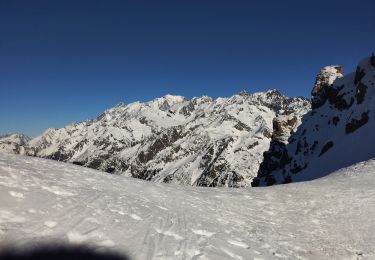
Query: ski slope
(330, 218)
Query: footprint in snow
(136, 217)
(17, 195)
(50, 224)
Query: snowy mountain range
(259, 139)
(337, 132)
(255, 139)
(202, 142)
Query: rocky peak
(277, 101)
(326, 77)
(273, 93)
(166, 102)
(201, 100)
(243, 93)
(323, 84)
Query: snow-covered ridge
(202, 141)
(330, 218)
(13, 143)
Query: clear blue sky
(63, 61)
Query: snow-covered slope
(337, 132)
(202, 142)
(330, 218)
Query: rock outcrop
(276, 157)
(323, 84)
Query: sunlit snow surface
(42, 200)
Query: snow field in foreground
(43, 200)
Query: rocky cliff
(337, 132)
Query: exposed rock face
(323, 84)
(326, 77)
(354, 124)
(283, 125)
(277, 156)
(201, 141)
(337, 132)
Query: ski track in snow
(330, 218)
